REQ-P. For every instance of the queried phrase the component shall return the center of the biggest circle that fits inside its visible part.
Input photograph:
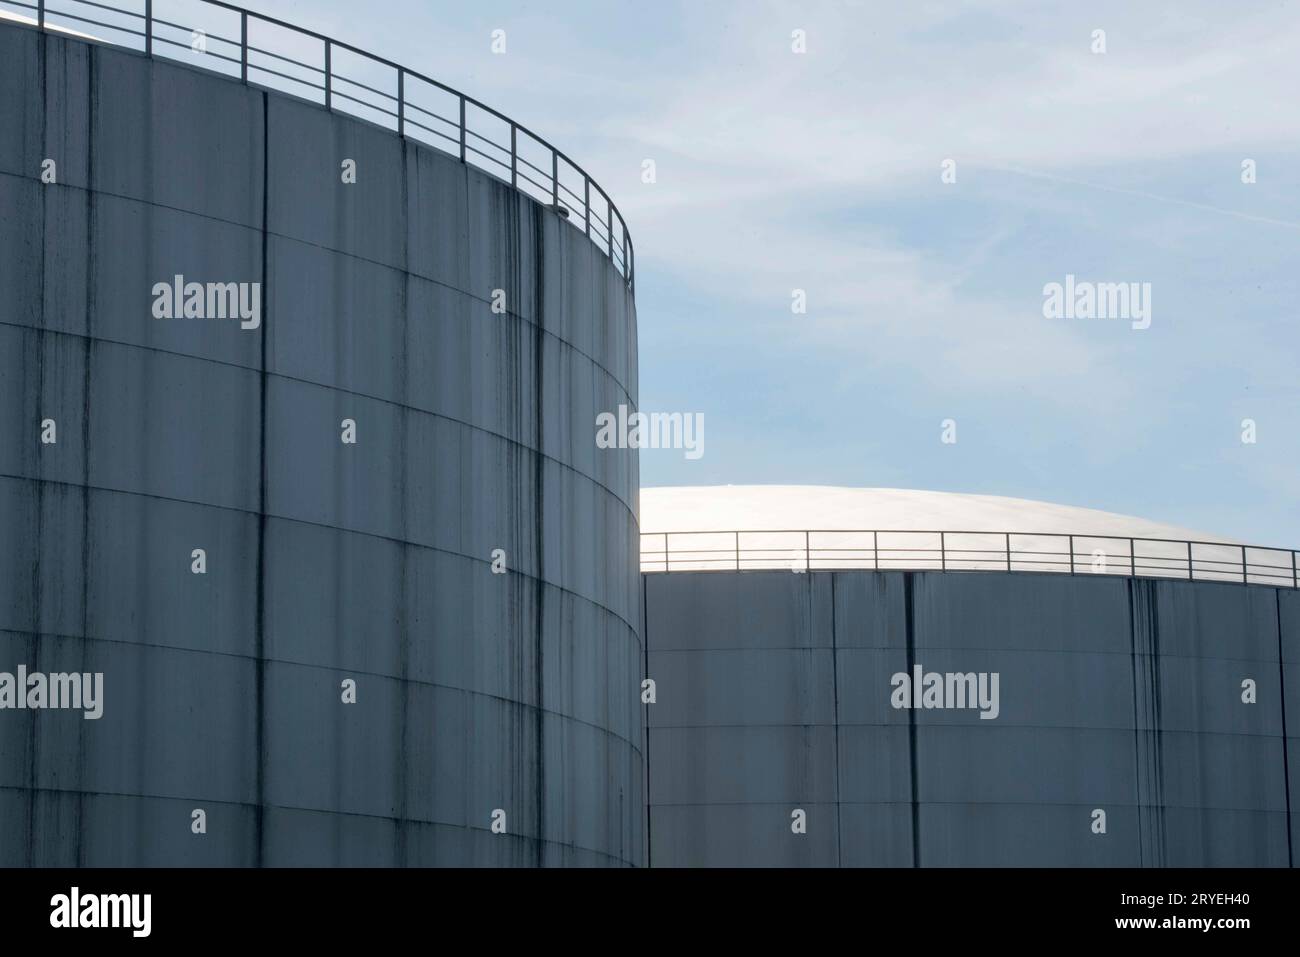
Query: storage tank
(335, 533)
(884, 677)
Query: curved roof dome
(806, 527)
(797, 507)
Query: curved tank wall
(325, 561)
(1114, 694)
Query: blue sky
(821, 171)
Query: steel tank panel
(1288, 616)
(1125, 695)
(325, 561)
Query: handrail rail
(606, 227)
(899, 550)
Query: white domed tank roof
(765, 507)
(813, 527)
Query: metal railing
(894, 550)
(272, 54)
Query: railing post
(1245, 578)
(1295, 582)
(1071, 554)
(609, 226)
(148, 25)
(943, 553)
(1190, 576)
(40, 14)
(401, 102)
(329, 70)
(514, 153)
(555, 179)
(807, 553)
(1132, 559)
(586, 200)
(875, 550)
(243, 45)
(462, 159)
(737, 551)
(1008, 535)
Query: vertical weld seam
(1286, 766)
(1137, 725)
(1157, 722)
(645, 709)
(910, 637)
(401, 810)
(539, 503)
(39, 485)
(88, 351)
(835, 724)
(259, 624)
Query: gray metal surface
(1120, 695)
(326, 561)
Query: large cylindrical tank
(1120, 695)
(277, 543)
